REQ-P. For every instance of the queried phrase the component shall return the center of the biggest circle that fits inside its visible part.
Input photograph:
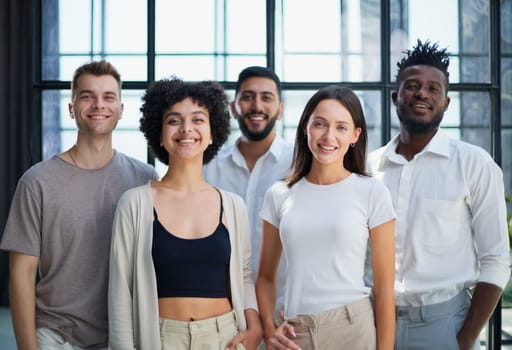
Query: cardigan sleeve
(243, 230)
(120, 293)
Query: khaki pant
(348, 327)
(210, 334)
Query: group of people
(261, 244)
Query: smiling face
(330, 131)
(421, 99)
(257, 107)
(96, 105)
(186, 130)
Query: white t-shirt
(324, 230)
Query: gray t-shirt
(64, 214)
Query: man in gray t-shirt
(60, 222)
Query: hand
(250, 339)
(279, 340)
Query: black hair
(164, 93)
(257, 71)
(425, 54)
(355, 158)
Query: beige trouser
(210, 334)
(351, 326)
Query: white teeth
(328, 148)
(96, 117)
(188, 141)
(257, 118)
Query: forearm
(23, 306)
(484, 301)
(385, 320)
(266, 294)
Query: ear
(394, 96)
(357, 133)
(121, 111)
(280, 111)
(70, 108)
(446, 103)
(234, 111)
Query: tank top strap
(221, 205)
(155, 215)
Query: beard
(415, 126)
(256, 135)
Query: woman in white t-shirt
(322, 218)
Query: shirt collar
(276, 149)
(439, 144)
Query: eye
(110, 98)
(173, 121)
(342, 127)
(85, 97)
(198, 120)
(246, 97)
(318, 124)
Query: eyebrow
(266, 92)
(178, 114)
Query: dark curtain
(18, 147)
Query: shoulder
(43, 170)
(133, 163)
(139, 194)
(471, 156)
(231, 197)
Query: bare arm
(271, 249)
(484, 301)
(383, 266)
(23, 269)
(250, 337)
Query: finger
(235, 341)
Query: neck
(411, 144)
(91, 154)
(184, 176)
(253, 150)
(327, 174)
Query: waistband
(213, 323)
(345, 312)
(422, 313)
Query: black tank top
(191, 267)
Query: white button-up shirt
(451, 229)
(228, 170)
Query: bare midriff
(192, 309)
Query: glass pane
(126, 27)
(186, 67)
(185, 26)
(464, 32)
(243, 38)
(343, 35)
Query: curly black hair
(164, 93)
(424, 54)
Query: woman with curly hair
(179, 265)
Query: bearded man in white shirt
(259, 157)
(451, 231)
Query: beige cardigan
(132, 294)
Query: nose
(420, 92)
(185, 127)
(99, 103)
(256, 104)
